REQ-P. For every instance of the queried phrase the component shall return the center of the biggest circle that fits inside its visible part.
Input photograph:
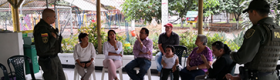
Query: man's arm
(135, 50)
(160, 44)
(249, 48)
(147, 48)
(177, 40)
(161, 49)
(44, 39)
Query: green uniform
(47, 49)
(260, 50)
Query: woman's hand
(114, 42)
(88, 64)
(204, 59)
(82, 64)
(120, 55)
(229, 76)
(163, 65)
(191, 68)
(173, 69)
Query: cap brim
(245, 10)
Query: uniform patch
(249, 33)
(44, 35)
(45, 39)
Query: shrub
(68, 44)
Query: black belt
(255, 74)
(259, 73)
(50, 56)
(144, 58)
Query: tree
(142, 9)
(236, 7)
(209, 8)
(182, 7)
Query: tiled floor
(98, 73)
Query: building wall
(10, 44)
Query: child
(169, 62)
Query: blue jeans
(142, 63)
(190, 75)
(158, 61)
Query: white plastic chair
(106, 69)
(77, 76)
(148, 72)
(119, 70)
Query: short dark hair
(172, 48)
(47, 12)
(262, 12)
(82, 35)
(146, 31)
(220, 45)
(109, 33)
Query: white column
(164, 14)
(133, 24)
(56, 20)
(71, 19)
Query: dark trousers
(52, 68)
(190, 75)
(142, 63)
(166, 72)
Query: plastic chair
(18, 62)
(179, 50)
(148, 73)
(106, 69)
(5, 72)
(119, 70)
(232, 68)
(77, 76)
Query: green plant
(68, 44)
(216, 37)
(188, 39)
(92, 34)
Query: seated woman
(112, 50)
(221, 66)
(195, 65)
(84, 54)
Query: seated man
(142, 51)
(167, 38)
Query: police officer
(47, 44)
(261, 46)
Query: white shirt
(169, 61)
(84, 54)
(107, 47)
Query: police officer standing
(47, 44)
(261, 46)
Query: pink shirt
(147, 46)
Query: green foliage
(68, 44)
(188, 39)
(142, 9)
(181, 6)
(234, 6)
(239, 38)
(92, 34)
(5, 16)
(221, 36)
